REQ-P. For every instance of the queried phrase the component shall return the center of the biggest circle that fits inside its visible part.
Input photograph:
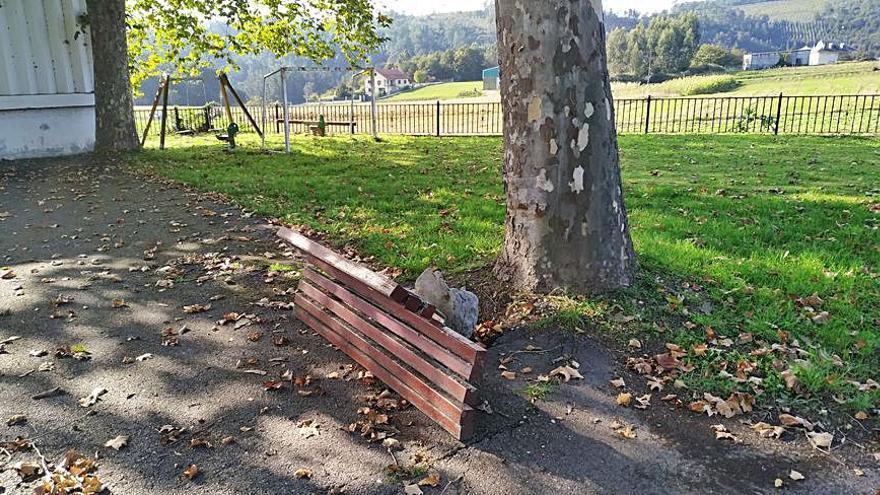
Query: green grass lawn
(838, 79)
(733, 234)
(443, 91)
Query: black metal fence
(817, 115)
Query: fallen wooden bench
(389, 331)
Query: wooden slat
(451, 361)
(434, 405)
(447, 338)
(457, 390)
(357, 272)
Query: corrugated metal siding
(43, 49)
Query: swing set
(225, 89)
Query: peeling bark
(566, 223)
(114, 111)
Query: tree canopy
(175, 35)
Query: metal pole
(351, 109)
(778, 115)
(648, 116)
(286, 119)
(164, 112)
(263, 108)
(373, 108)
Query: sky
(421, 7)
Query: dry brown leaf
(191, 472)
(303, 473)
(16, 420)
(796, 476)
(722, 433)
(618, 383)
(196, 308)
(117, 443)
(789, 420)
(820, 440)
(778, 483)
(567, 373)
(432, 479)
(624, 399)
(508, 375)
(768, 431)
(93, 397)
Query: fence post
(437, 115)
(648, 115)
(778, 115)
(207, 110)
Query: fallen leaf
(117, 443)
(191, 472)
(508, 375)
(118, 303)
(228, 440)
(196, 308)
(778, 483)
(635, 343)
(567, 373)
(195, 443)
(303, 473)
(432, 479)
(391, 444)
(273, 385)
(412, 490)
(18, 419)
(861, 415)
(768, 431)
(858, 472)
(796, 476)
(722, 433)
(624, 399)
(820, 440)
(790, 379)
(618, 383)
(143, 357)
(93, 397)
(789, 420)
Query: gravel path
(164, 298)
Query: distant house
(800, 57)
(47, 92)
(492, 78)
(388, 81)
(827, 53)
(763, 60)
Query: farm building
(492, 78)
(800, 57)
(763, 60)
(47, 102)
(827, 53)
(388, 81)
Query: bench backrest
(392, 333)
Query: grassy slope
(786, 10)
(752, 223)
(849, 78)
(444, 91)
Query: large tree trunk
(566, 222)
(114, 113)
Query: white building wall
(47, 104)
(823, 57)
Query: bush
(705, 85)
(658, 78)
(701, 70)
(471, 93)
(626, 78)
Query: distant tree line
(465, 63)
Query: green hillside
(443, 91)
(786, 10)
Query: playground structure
(317, 126)
(225, 89)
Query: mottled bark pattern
(566, 221)
(114, 113)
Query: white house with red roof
(388, 81)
